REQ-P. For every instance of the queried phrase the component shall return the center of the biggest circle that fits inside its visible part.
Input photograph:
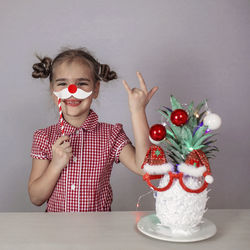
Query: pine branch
(191, 109)
(209, 142)
(201, 116)
(174, 144)
(174, 103)
(201, 139)
(200, 105)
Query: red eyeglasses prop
(196, 165)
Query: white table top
(112, 231)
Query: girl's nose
(72, 88)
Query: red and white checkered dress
(84, 185)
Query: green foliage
(175, 104)
(180, 141)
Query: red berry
(157, 132)
(179, 117)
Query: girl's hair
(45, 68)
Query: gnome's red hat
(197, 165)
(155, 162)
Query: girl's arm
(42, 181)
(138, 99)
(45, 173)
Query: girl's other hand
(62, 152)
(138, 98)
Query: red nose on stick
(72, 88)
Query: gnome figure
(156, 166)
(197, 165)
(155, 162)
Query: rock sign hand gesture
(138, 98)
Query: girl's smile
(72, 102)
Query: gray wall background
(192, 49)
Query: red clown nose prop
(72, 88)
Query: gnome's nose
(72, 88)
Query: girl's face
(80, 74)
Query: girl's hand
(62, 152)
(138, 98)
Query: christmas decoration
(157, 133)
(181, 195)
(180, 141)
(66, 93)
(155, 165)
(72, 90)
(213, 121)
(179, 117)
(61, 116)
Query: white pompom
(209, 179)
(212, 120)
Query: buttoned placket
(80, 134)
(73, 187)
(74, 159)
(69, 187)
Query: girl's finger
(68, 150)
(60, 140)
(65, 144)
(142, 82)
(125, 84)
(151, 93)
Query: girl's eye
(82, 83)
(61, 84)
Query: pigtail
(105, 74)
(43, 68)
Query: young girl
(71, 171)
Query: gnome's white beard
(79, 94)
